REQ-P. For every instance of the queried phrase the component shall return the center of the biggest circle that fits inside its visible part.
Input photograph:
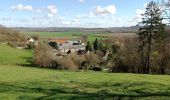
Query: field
(12, 56)
(30, 83)
(23, 83)
(68, 35)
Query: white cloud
(111, 9)
(66, 22)
(139, 13)
(50, 15)
(52, 9)
(165, 21)
(81, 16)
(81, 1)
(22, 7)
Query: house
(65, 46)
(30, 40)
(73, 46)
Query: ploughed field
(31, 83)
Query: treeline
(12, 37)
(16, 38)
(120, 56)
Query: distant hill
(62, 29)
(131, 29)
(124, 29)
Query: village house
(65, 46)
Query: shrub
(92, 60)
(44, 57)
(66, 63)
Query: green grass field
(69, 34)
(52, 34)
(13, 56)
(26, 83)
(30, 83)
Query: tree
(53, 44)
(84, 38)
(89, 46)
(96, 45)
(165, 6)
(150, 32)
(164, 56)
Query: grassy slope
(34, 83)
(23, 83)
(10, 55)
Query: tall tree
(165, 6)
(89, 46)
(151, 31)
(96, 45)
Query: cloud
(111, 9)
(165, 21)
(66, 22)
(52, 9)
(21, 7)
(139, 13)
(38, 11)
(81, 1)
(87, 15)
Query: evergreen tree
(150, 32)
(96, 45)
(89, 46)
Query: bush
(92, 60)
(66, 63)
(44, 57)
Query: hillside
(26, 83)
(12, 56)
(30, 83)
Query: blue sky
(71, 13)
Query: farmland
(68, 35)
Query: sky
(71, 13)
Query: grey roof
(70, 46)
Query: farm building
(65, 46)
(72, 46)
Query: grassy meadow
(12, 56)
(26, 83)
(30, 83)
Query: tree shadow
(29, 62)
(75, 93)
